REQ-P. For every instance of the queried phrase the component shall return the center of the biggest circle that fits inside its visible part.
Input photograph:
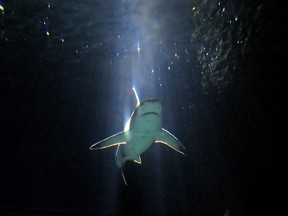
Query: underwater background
(67, 69)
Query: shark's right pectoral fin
(115, 140)
(166, 138)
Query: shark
(143, 129)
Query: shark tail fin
(115, 140)
(166, 138)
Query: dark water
(67, 71)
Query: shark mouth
(149, 113)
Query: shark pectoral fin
(166, 138)
(115, 140)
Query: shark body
(144, 129)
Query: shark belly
(139, 143)
(143, 132)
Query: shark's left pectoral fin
(166, 138)
(115, 140)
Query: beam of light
(138, 48)
(127, 126)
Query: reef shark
(142, 130)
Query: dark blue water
(67, 69)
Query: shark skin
(144, 129)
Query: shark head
(149, 106)
(146, 115)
